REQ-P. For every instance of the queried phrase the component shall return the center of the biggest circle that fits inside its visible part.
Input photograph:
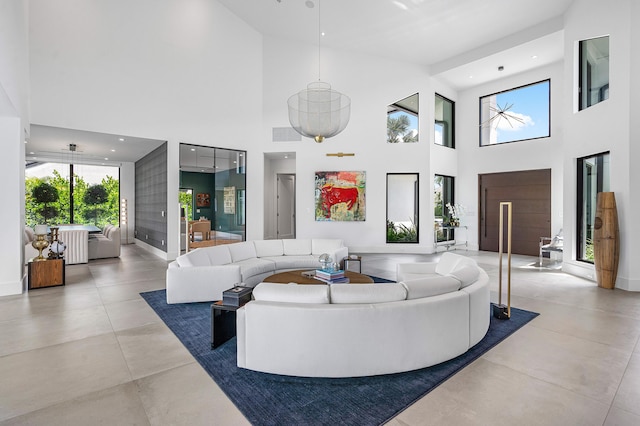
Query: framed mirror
(402, 120)
(402, 208)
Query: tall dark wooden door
(530, 193)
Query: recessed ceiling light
(470, 76)
(202, 170)
(121, 139)
(534, 57)
(31, 153)
(106, 159)
(286, 156)
(234, 161)
(113, 150)
(193, 149)
(25, 141)
(241, 155)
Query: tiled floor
(93, 352)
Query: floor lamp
(501, 311)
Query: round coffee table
(298, 277)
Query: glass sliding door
(593, 177)
(215, 178)
(230, 185)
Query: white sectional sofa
(203, 274)
(347, 330)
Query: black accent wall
(151, 198)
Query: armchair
(106, 244)
(551, 245)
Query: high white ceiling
(461, 41)
(52, 144)
(428, 32)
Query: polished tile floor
(93, 352)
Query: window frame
(416, 208)
(451, 200)
(602, 90)
(480, 122)
(580, 210)
(453, 122)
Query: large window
(84, 194)
(443, 194)
(402, 207)
(593, 77)
(515, 115)
(444, 112)
(593, 177)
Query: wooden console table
(45, 273)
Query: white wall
(191, 71)
(372, 83)
(14, 126)
(545, 153)
(606, 126)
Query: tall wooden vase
(606, 240)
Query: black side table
(223, 323)
(353, 263)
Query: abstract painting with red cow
(340, 196)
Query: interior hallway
(93, 351)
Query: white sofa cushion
(265, 248)
(255, 266)
(427, 286)
(242, 251)
(291, 293)
(294, 262)
(296, 247)
(218, 255)
(367, 293)
(197, 257)
(323, 245)
(467, 274)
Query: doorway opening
(286, 206)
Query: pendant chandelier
(319, 112)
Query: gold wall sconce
(341, 154)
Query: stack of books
(333, 277)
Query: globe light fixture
(319, 112)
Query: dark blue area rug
(269, 399)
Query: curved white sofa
(351, 330)
(203, 274)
